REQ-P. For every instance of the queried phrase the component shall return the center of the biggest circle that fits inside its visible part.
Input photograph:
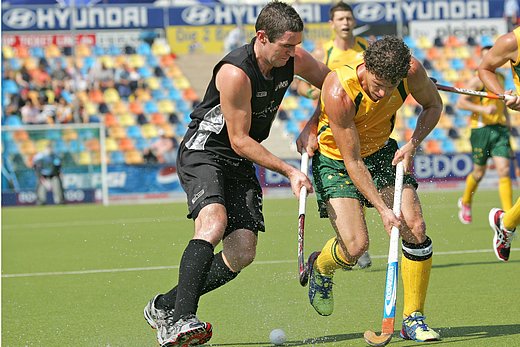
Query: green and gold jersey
(479, 120)
(335, 57)
(374, 120)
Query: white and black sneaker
(154, 316)
(187, 331)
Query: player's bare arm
(310, 69)
(341, 112)
(235, 98)
(425, 93)
(504, 50)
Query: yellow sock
(415, 275)
(505, 192)
(469, 190)
(331, 258)
(512, 216)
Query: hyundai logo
(198, 15)
(19, 18)
(369, 12)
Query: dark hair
(488, 47)
(276, 18)
(340, 6)
(388, 58)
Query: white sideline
(265, 262)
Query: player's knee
(418, 251)
(241, 258)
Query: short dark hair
(388, 58)
(340, 6)
(276, 18)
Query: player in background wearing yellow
(489, 138)
(343, 49)
(504, 50)
(354, 166)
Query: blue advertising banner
(18, 18)
(134, 16)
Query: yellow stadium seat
(41, 145)
(111, 95)
(111, 144)
(134, 157)
(117, 132)
(136, 61)
(149, 131)
(8, 52)
(153, 83)
(84, 158)
(126, 120)
(166, 106)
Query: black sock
(193, 272)
(219, 274)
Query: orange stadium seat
(135, 107)
(20, 135)
(93, 145)
(117, 132)
(110, 120)
(157, 118)
(126, 144)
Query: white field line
(151, 268)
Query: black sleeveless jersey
(207, 130)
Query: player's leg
(480, 155)
(239, 244)
(416, 265)
(340, 252)
(338, 201)
(204, 184)
(41, 191)
(501, 153)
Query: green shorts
(331, 179)
(490, 141)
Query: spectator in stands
(59, 76)
(102, 76)
(490, 134)
(122, 81)
(47, 110)
(64, 113)
(215, 167)
(30, 113)
(47, 166)
(163, 150)
(511, 10)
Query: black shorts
(206, 179)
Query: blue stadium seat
(76, 146)
(141, 144)
(10, 87)
(448, 146)
(37, 52)
(150, 107)
(144, 49)
(134, 132)
(60, 146)
(117, 157)
(13, 121)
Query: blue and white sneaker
(320, 288)
(414, 328)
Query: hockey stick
(304, 274)
(471, 92)
(391, 272)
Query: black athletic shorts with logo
(207, 178)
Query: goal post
(81, 147)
